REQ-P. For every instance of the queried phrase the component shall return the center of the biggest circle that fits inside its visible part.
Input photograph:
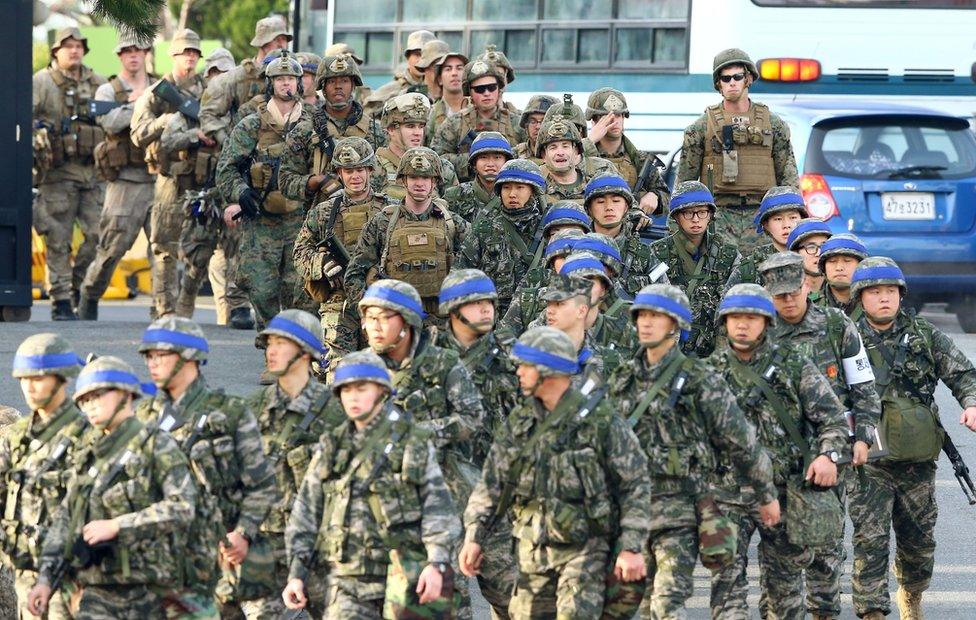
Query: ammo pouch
(298, 460)
(204, 167)
(578, 505)
(88, 137)
(718, 535)
(914, 435)
(275, 203)
(401, 600)
(814, 518)
(110, 157)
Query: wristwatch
(440, 566)
(833, 455)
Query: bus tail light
(817, 196)
(789, 69)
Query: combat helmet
(688, 194)
(580, 264)
(666, 299)
(604, 248)
(46, 354)
(538, 104)
(747, 299)
(353, 152)
(843, 244)
(285, 64)
(488, 142)
(481, 67)
(498, 57)
(342, 48)
(343, 65)
(568, 111)
(778, 199)
(361, 366)
(804, 229)
(562, 244)
(405, 108)
(464, 286)
(782, 272)
(564, 213)
(548, 349)
(555, 130)
(606, 183)
(732, 56)
(107, 372)
(398, 296)
(877, 271)
(420, 161)
(298, 326)
(310, 62)
(521, 171)
(176, 334)
(606, 100)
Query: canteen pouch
(203, 168)
(402, 601)
(718, 535)
(110, 157)
(814, 518)
(88, 137)
(298, 460)
(621, 599)
(912, 431)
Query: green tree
(141, 16)
(230, 21)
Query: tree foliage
(230, 21)
(140, 16)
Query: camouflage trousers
(735, 225)
(191, 603)
(354, 598)
(672, 556)
(120, 602)
(57, 607)
(340, 326)
(200, 248)
(899, 496)
(165, 227)
(460, 477)
(61, 204)
(562, 583)
(498, 570)
(267, 560)
(125, 213)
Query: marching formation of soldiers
(476, 369)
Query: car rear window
(883, 147)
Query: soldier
(608, 201)
(342, 115)
(575, 479)
(129, 188)
(406, 77)
(69, 190)
(488, 154)
(684, 417)
(839, 257)
(184, 161)
(702, 263)
(310, 68)
(404, 118)
(606, 109)
(448, 74)
(220, 436)
(360, 93)
(531, 120)
(507, 242)
(271, 221)
(566, 171)
(220, 106)
(415, 242)
(484, 81)
(910, 356)
(429, 54)
(341, 219)
(607, 324)
(123, 522)
(800, 423)
(373, 523)
(832, 343)
(780, 210)
(805, 239)
(34, 451)
(292, 414)
(738, 148)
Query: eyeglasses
(383, 319)
(90, 400)
(812, 249)
(154, 357)
(482, 89)
(697, 214)
(738, 77)
(534, 121)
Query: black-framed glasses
(697, 214)
(738, 77)
(482, 89)
(812, 249)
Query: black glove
(249, 202)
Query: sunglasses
(738, 77)
(482, 89)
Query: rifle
(168, 92)
(334, 249)
(645, 173)
(99, 108)
(959, 468)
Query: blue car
(903, 179)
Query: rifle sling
(656, 389)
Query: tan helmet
(604, 101)
(433, 53)
(554, 130)
(286, 64)
(342, 65)
(416, 40)
(130, 39)
(220, 59)
(420, 161)
(342, 48)
(538, 104)
(479, 68)
(405, 108)
(310, 62)
(183, 40)
(732, 56)
(352, 152)
(63, 34)
(569, 111)
(494, 55)
(269, 29)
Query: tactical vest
(747, 169)
(625, 162)
(502, 123)
(352, 219)
(389, 162)
(117, 151)
(192, 167)
(75, 137)
(420, 252)
(267, 156)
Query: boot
(909, 604)
(873, 615)
(87, 308)
(240, 318)
(61, 311)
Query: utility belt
(117, 152)
(76, 141)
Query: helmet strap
(47, 399)
(841, 284)
(118, 409)
(284, 371)
(481, 327)
(176, 370)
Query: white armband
(858, 369)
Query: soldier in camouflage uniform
(122, 526)
(416, 241)
(488, 154)
(468, 298)
(220, 436)
(507, 242)
(564, 167)
(245, 176)
(832, 343)
(343, 216)
(839, 257)
(69, 189)
(684, 416)
(531, 121)
(404, 119)
(800, 422)
(361, 93)
(573, 480)
(738, 149)
(805, 239)
(34, 452)
(343, 116)
(910, 357)
(292, 413)
(485, 79)
(407, 78)
(310, 68)
(448, 68)
(699, 261)
(781, 208)
(373, 523)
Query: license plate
(908, 206)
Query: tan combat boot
(909, 604)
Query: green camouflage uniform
(749, 265)
(472, 198)
(538, 104)
(451, 141)
(843, 244)
(778, 199)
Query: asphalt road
(235, 365)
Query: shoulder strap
(656, 389)
(779, 407)
(513, 235)
(390, 227)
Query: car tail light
(816, 195)
(789, 69)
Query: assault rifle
(334, 248)
(168, 92)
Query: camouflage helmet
(416, 41)
(489, 142)
(568, 111)
(606, 183)
(284, 64)
(688, 194)
(521, 171)
(804, 229)
(604, 101)
(183, 40)
(298, 326)
(560, 286)
(177, 334)
(435, 53)
(361, 366)
(782, 272)
(548, 349)
(479, 68)
(268, 59)
(268, 29)
(405, 108)
(493, 54)
(877, 271)
(604, 247)
(107, 372)
(778, 199)
(464, 286)
(562, 244)
(353, 152)
(310, 62)
(398, 296)
(131, 39)
(556, 130)
(747, 299)
(420, 161)
(666, 299)
(564, 213)
(538, 104)
(342, 48)
(220, 59)
(69, 32)
(732, 56)
(844, 244)
(46, 354)
(585, 265)
(342, 65)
